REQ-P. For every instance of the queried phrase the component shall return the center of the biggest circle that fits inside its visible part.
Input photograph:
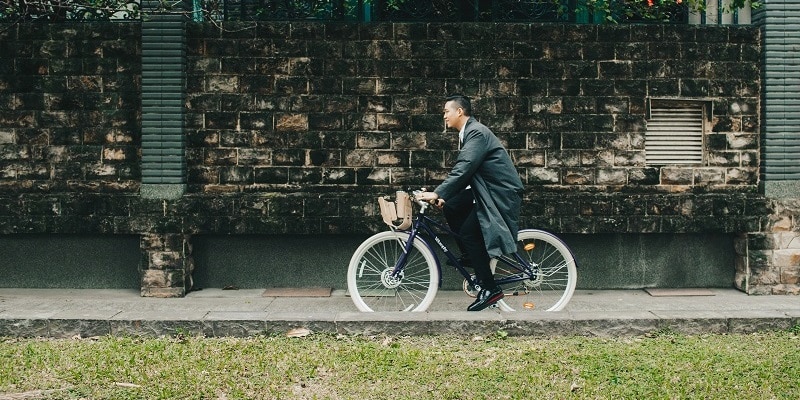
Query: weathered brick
(363, 86)
(542, 176)
(616, 176)
(677, 176)
(663, 87)
(17, 119)
(408, 141)
(709, 176)
(528, 158)
(291, 85)
(763, 274)
(271, 175)
(374, 140)
(234, 139)
(393, 158)
(359, 158)
(15, 153)
(220, 156)
(237, 175)
(578, 176)
(119, 154)
(339, 176)
(578, 140)
(405, 176)
(741, 176)
(291, 122)
(427, 159)
(427, 122)
(631, 87)
(326, 121)
(393, 122)
(614, 69)
(320, 207)
(532, 87)
(220, 120)
(786, 258)
(373, 176)
(791, 276)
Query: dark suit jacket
(484, 164)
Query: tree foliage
(614, 11)
(610, 11)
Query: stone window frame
(667, 105)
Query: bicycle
(398, 270)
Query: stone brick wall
(296, 127)
(166, 265)
(334, 114)
(768, 262)
(309, 105)
(69, 109)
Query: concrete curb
(89, 313)
(456, 323)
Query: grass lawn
(663, 366)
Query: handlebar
(422, 204)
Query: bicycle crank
(470, 290)
(518, 290)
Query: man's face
(452, 114)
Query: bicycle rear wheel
(555, 275)
(369, 280)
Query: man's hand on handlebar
(430, 197)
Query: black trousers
(462, 217)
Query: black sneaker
(486, 297)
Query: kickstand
(503, 306)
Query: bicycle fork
(397, 272)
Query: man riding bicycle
(480, 197)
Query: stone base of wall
(768, 262)
(167, 265)
(767, 230)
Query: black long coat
(484, 164)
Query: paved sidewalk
(213, 312)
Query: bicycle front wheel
(552, 284)
(369, 276)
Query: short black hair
(462, 102)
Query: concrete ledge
(162, 191)
(396, 325)
(787, 189)
(243, 313)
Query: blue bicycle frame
(422, 223)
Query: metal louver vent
(675, 136)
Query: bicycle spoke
(551, 278)
(374, 284)
(377, 284)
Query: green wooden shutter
(781, 90)
(163, 75)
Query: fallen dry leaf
(127, 385)
(33, 394)
(298, 332)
